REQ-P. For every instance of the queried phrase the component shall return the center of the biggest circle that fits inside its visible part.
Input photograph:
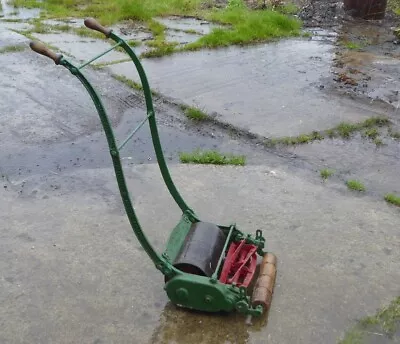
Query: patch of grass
(62, 27)
(105, 64)
(212, 157)
(378, 142)
(289, 8)
(394, 5)
(164, 50)
(326, 173)
(11, 20)
(385, 322)
(393, 199)
(355, 185)
(12, 49)
(161, 48)
(195, 114)
(134, 43)
(345, 129)
(245, 26)
(190, 31)
(371, 133)
(157, 29)
(352, 337)
(352, 45)
(85, 32)
(394, 134)
(128, 82)
(294, 140)
(377, 121)
(112, 11)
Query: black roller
(201, 250)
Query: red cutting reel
(240, 264)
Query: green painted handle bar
(160, 262)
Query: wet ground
(68, 256)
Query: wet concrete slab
(9, 38)
(188, 24)
(72, 271)
(359, 158)
(48, 123)
(17, 26)
(270, 89)
(81, 48)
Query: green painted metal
(153, 127)
(100, 55)
(155, 257)
(204, 294)
(184, 289)
(177, 238)
(122, 145)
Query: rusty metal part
(264, 286)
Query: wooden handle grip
(93, 24)
(40, 48)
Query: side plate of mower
(207, 267)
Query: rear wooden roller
(264, 287)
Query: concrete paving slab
(81, 48)
(8, 38)
(72, 271)
(269, 89)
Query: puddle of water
(8, 11)
(72, 22)
(184, 24)
(181, 37)
(318, 34)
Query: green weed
(195, 114)
(212, 157)
(371, 133)
(393, 199)
(384, 322)
(326, 173)
(134, 43)
(346, 129)
(12, 49)
(352, 45)
(85, 32)
(10, 20)
(355, 185)
(245, 26)
(128, 82)
(394, 134)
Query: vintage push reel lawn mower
(207, 267)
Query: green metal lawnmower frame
(188, 290)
